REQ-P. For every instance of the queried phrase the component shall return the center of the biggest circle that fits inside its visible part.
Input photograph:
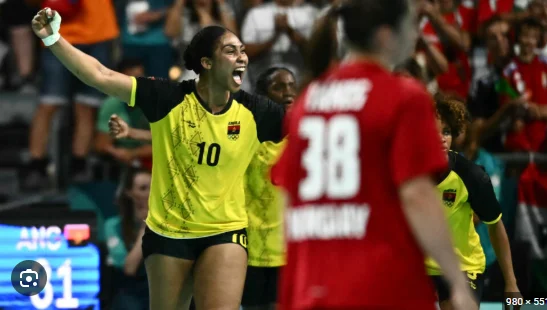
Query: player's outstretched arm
(119, 129)
(46, 25)
(424, 213)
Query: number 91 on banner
(73, 272)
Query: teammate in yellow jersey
(466, 190)
(262, 198)
(265, 231)
(205, 133)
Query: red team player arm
(415, 156)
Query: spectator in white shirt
(275, 34)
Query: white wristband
(52, 39)
(55, 24)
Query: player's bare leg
(167, 277)
(219, 277)
(187, 291)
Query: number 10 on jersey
(332, 158)
(213, 153)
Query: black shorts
(260, 286)
(189, 249)
(475, 281)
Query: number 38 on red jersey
(332, 165)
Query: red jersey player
(361, 202)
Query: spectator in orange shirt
(91, 28)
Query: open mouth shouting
(238, 75)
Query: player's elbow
(418, 193)
(100, 78)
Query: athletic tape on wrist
(55, 24)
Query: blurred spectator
(123, 150)
(411, 68)
(275, 34)
(491, 118)
(241, 8)
(447, 25)
(538, 10)
(124, 237)
(339, 27)
(16, 16)
(143, 37)
(91, 29)
(187, 17)
(512, 11)
(526, 77)
(431, 60)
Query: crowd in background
(492, 54)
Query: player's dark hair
(203, 44)
(128, 63)
(530, 23)
(125, 203)
(265, 79)
(361, 19)
(453, 113)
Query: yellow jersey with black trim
(200, 158)
(265, 231)
(466, 189)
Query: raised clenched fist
(118, 127)
(42, 23)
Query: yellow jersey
(200, 158)
(265, 231)
(465, 190)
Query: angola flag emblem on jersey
(449, 197)
(233, 130)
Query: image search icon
(28, 278)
